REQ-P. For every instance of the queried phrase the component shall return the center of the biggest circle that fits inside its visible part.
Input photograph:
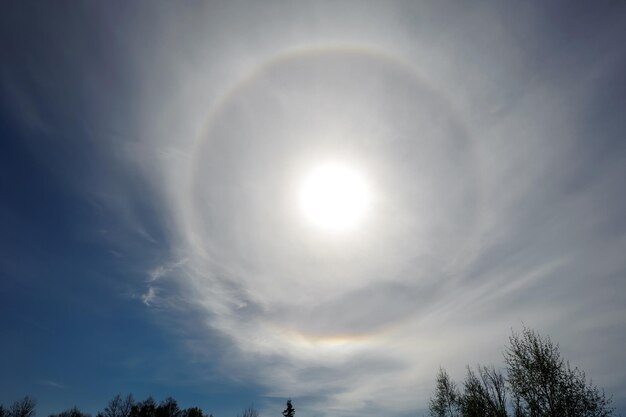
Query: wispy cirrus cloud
(494, 203)
(491, 137)
(52, 384)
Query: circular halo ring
(239, 87)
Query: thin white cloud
(156, 273)
(149, 297)
(164, 270)
(493, 206)
(50, 383)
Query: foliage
(545, 384)
(118, 407)
(145, 408)
(21, 408)
(249, 412)
(539, 383)
(72, 412)
(168, 408)
(192, 412)
(446, 402)
(289, 411)
(484, 395)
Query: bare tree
(118, 407)
(544, 384)
(145, 408)
(539, 383)
(445, 402)
(192, 412)
(22, 408)
(484, 395)
(168, 408)
(473, 402)
(72, 412)
(249, 412)
(495, 385)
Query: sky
(152, 233)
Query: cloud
(495, 164)
(149, 296)
(52, 384)
(164, 270)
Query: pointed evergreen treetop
(289, 411)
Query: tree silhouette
(145, 408)
(22, 408)
(118, 407)
(168, 408)
(72, 412)
(539, 383)
(485, 394)
(192, 412)
(544, 384)
(289, 411)
(249, 412)
(445, 402)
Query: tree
(192, 412)
(145, 408)
(168, 408)
(445, 402)
(539, 383)
(289, 411)
(544, 384)
(22, 408)
(473, 401)
(484, 395)
(118, 407)
(249, 412)
(72, 412)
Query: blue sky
(150, 154)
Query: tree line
(536, 382)
(127, 407)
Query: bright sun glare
(334, 197)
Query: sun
(334, 196)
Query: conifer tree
(289, 411)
